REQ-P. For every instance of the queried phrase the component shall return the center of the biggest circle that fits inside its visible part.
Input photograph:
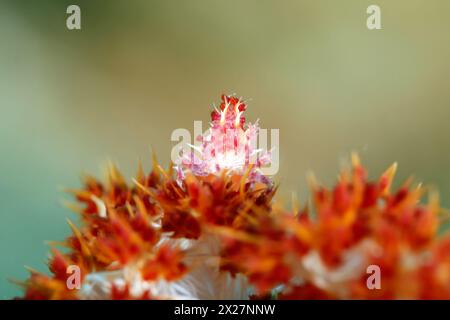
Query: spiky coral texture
(216, 234)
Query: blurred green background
(71, 100)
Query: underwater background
(72, 100)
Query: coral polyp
(208, 229)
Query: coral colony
(207, 229)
